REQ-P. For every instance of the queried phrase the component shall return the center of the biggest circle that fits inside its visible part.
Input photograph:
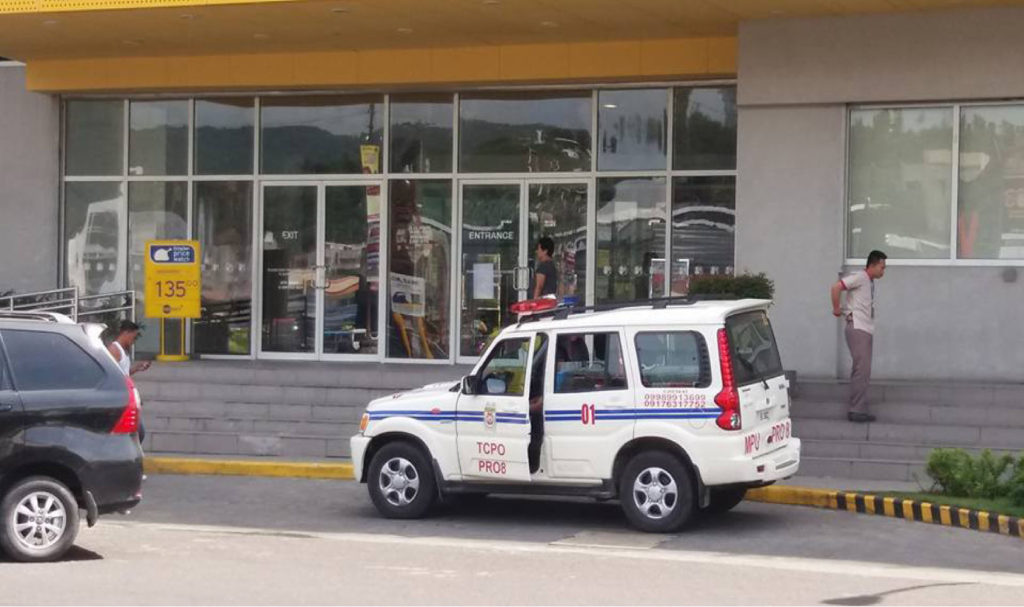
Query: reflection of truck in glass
(94, 256)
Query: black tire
(674, 478)
(724, 500)
(406, 465)
(53, 545)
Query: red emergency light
(530, 306)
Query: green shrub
(1016, 489)
(722, 286)
(988, 476)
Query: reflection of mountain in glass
(494, 147)
(312, 150)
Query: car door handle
(5, 407)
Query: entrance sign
(173, 284)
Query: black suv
(68, 434)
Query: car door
(11, 414)
(589, 406)
(493, 422)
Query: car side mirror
(469, 384)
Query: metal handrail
(68, 300)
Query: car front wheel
(401, 482)
(40, 520)
(656, 492)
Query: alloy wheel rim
(399, 481)
(655, 492)
(39, 521)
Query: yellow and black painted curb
(240, 467)
(911, 510)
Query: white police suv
(671, 407)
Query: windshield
(753, 347)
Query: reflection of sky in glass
(158, 114)
(566, 112)
(225, 113)
(908, 119)
(632, 130)
(709, 102)
(333, 115)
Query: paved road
(226, 540)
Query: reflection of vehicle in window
(94, 256)
(672, 409)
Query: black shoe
(860, 418)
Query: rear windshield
(753, 347)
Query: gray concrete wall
(789, 218)
(29, 177)
(796, 78)
(963, 54)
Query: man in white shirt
(127, 333)
(859, 315)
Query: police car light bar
(530, 306)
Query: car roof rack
(40, 316)
(562, 312)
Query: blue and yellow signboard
(173, 284)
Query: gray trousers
(859, 343)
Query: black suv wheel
(401, 482)
(656, 492)
(39, 520)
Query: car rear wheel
(724, 500)
(401, 481)
(656, 492)
(39, 520)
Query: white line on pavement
(843, 568)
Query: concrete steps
(263, 408)
(913, 419)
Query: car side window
(504, 373)
(49, 361)
(673, 359)
(589, 362)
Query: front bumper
(761, 470)
(359, 443)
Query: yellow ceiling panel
(32, 29)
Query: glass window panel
(504, 373)
(94, 137)
(990, 216)
(631, 216)
(223, 227)
(94, 224)
(589, 362)
(352, 266)
(34, 356)
(321, 134)
(224, 136)
(525, 132)
(632, 130)
(704, 128)
(673, 359)
(559, 211)
(755, 353)
(158, 138)
(419, 276)
(900, 178)
(703, 228)
(421, 134)
(156, 210)
(289, 268)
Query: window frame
(622, 352)
(706, 374)
(954, 203)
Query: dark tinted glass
(704, 129)
(35, 356)
(755, 354)
(525, 132)
(94, 137)
(421, 134)
(224, 136)
(321, 134)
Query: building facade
(363, 190)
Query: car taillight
(729, 398)
(129, 421)
(533, 305)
